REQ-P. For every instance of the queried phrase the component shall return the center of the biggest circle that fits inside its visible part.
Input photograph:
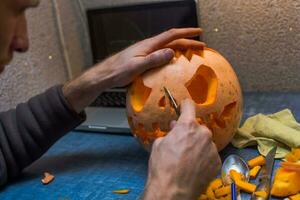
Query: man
(181, 164)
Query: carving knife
(266, 175)
(172, 100)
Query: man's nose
(20, 44)
(20, 41)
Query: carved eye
(139, 95)
(202, 87)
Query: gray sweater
(29, 130)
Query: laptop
(115, 28)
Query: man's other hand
(123, 67)
(149, 53)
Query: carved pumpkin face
(203, 76)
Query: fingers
(164, 38)
(172, 124)
(157, 142)
(206, 131)
(156, 59)
(188, 112)
(183, 44)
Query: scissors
(172, 100)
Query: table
(92, 165)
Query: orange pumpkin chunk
(203, 197)
(254, 171)
(235, 175)
(216, 184)
(286, 183)
(290, 157)
(296, 153)
(123, 191)
(295, 197)
(228, 197)
(291, 166)
(210, 193)
(48, 178)
(223, 191)
(245, 186)
(262, 194)
(259, 160)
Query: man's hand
(123, 67)
(184, 162)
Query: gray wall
(261, 39)
(33, 72)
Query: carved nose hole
(162, 103)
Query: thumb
(157, 58)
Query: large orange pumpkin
(204, 76)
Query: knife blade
(172, 101)
(266, 175)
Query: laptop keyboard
(110, 99)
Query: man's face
(13, 28)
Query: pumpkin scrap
(216, 184)
(245, 186)
(290, 157)
(254, 171)
(47, 178)
(262, 194)
(286, 183)
(223, 191)
(123, 191)
(296, 152)
(294, 155)
(235, 176)
(202, 197)
(257, 161)
(291, 166)
(210, 193)
(216, 190)
(287, 177)
(295, 197)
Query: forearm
(84, 89)
(29, 130)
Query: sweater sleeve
(29, 130)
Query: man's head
(13, 28)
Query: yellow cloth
(266, 131)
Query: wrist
(162, 189)
(83, 90)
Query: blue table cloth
(92, 165)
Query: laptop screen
(113, 29)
